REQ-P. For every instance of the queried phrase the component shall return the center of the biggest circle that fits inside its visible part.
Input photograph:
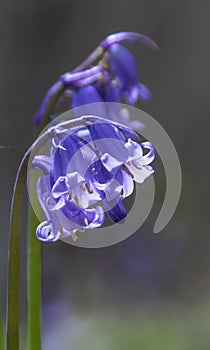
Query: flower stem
(12, 321)
(34, 253)
(1, 336)
(93, 57)
(48, 104)
(34, 285)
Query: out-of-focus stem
(34, 284)
(2, 336)
(12, 321)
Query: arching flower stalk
(83, 177)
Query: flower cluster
(109, 74)
(88, 172)
(91, 169)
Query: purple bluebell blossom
(124, 66)
(88, 172)
(91, 100)
(114, 76)
(118, 80)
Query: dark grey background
(39, 40)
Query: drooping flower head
(118, 78)
(109, 74)
(88, 172)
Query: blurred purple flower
(114, 76)
(123, 65)
(89, 171)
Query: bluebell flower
(87, 173)
(118, 79)
(57, 90)
(108, 74)
(91, 100)
(119, 76)
(124, 67)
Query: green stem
(1, 336)
(93, 57)
(34, 255)
(12, 322)
(52, 97)
(34, 285)
(34, 258)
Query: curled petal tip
(45, 233)
(128, 36)
(144, 93)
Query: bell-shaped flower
(124, 66)
(88, 173)
(109, 72)
(88, 97)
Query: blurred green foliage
(158, 326)
(161, 331)
(1, 335)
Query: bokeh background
(150, 291)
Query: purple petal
(132, 95)
(140, 173)
(108, 90)
(45, 232)
(128, 36)
(98, 218)
(49, 230)
(134, 150)
(42, 163)
(73, 180)
(123, 65)
(150, 156)
(112, 190)
(59, 188)
(128, 184)
(144, 93)
(128, 132)
(81, 217)
(89, 80)
(71, 77)
(53, 205)
(63, 159)
(88, 97)
(118, 212)
(108, 139)
(110, 163)
(137, 91)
